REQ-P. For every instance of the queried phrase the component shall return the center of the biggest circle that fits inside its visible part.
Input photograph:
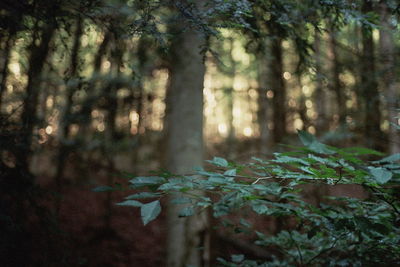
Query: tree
(369, 84)
(387, 68)
(184, 124)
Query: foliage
(340, 231)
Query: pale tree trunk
(388, 59)
(370, 86)
(302, 110)
(186, 236)
(320, 96)
(230, 95)
(263, 104)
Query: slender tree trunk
(263, 103)
(302, 105)
(320, 102)
(65, 121)
(337, 85)
(230, 95)
(142, 61)
(370, 86)
(112, 110)
(37, 60)
(93, 86)
(278, 87)
(186, 237)
(6, 55)
(388, 59)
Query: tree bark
(337, 85)
(6, 54)
(388, 59)
(230, 95)
(278, 87)
(370, 86)
(37, 60)
(112, 111)
(142, 58)
(186, 236)
(320, 96)
(65, 118)
(263, 103)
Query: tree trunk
(142, 58)
(263, 104)
(65, 120)
(388, 59)
(85, 113)
(370, 86)
(186, 236)
(112, 110)
(278, 87)
(6, 54)
(337, 85)
(230, 95)
(36, 63)
(320, 96)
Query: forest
(199, 133)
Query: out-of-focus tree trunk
(4, 60)
(337, 85)
(65, 118)
(303, 106)
(320, 97)
(87, 105)
(187, 237)
(117, 50)
(263, 103)
(37, 58)
(278, 87)
(142, 61)
(388, 59)
(370, 86)
(230, 95)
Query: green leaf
(150, 211)
(389, 159)
(380, 175)
(186, 211)
(237, 258)
(362, 151)
(231, 172)
(143, 195)
(306, 138)
(220, 162)
(312, 143)
(287, 159)
(146, 181)
(103, 189)
(132, 203)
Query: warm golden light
(101, 127)
(248, 132)
(222, 129)
(287, 75)
(49, 129)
